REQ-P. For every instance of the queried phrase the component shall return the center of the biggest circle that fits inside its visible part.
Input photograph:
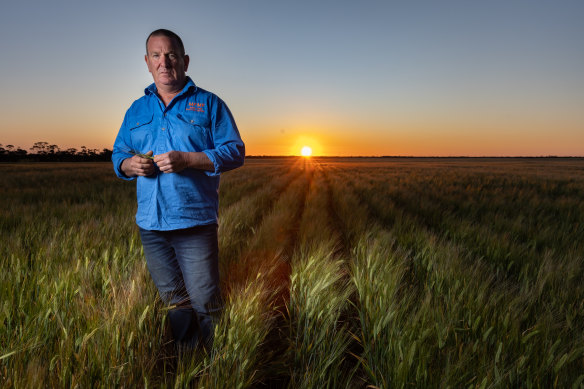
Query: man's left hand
(172, 162)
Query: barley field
(337, 273)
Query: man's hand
(172, 162)
(138, 166)
(176, 161)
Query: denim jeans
(184, 267)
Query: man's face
(166, 63)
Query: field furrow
(319, 335)
(336, 273)
(246, 180)
(239, 222)
(264, 266)
(498, 307)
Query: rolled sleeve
(119, 172)
(225, 158)
(229, 151)
(120, 152)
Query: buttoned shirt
(195, 120)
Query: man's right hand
(138, 166)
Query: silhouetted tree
(106, 154)
(43, 152)
(39, 148)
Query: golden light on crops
(306, 151)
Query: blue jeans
(184, 267)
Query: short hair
(169, 34)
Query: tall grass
(391, 335)
(483, 319)
(76, 310)
(320, 289)
(335, 273)
(236, 355)
(256, 283)
(240, 221)
(319, 339)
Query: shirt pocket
(196, 130)
(141, 132)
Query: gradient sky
(344, 77)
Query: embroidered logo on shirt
(196, 107)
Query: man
(176, 140)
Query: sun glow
(306, 146)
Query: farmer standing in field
(176, 140)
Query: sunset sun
(306, 151)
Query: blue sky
(347, 78)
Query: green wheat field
(337, 273)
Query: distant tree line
(45, 152)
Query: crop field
(336, 273)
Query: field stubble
(336, 273)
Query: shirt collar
(189, 86)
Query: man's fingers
(144, 172)
(142, 166)
(159, 158)
(169, 162)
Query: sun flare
(306, 151)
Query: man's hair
(169, 34)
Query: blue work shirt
(195, 120)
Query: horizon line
(413, 156)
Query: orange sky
(443, 79)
